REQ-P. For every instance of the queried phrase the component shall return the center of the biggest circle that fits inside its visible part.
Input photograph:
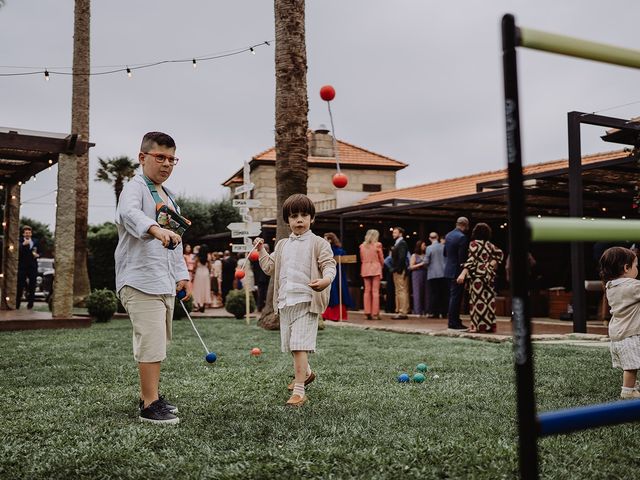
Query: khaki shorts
(151, 317)
(625, 353)
(298, 328)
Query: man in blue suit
(27, 266)
(456, 246)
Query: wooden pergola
(24, 154)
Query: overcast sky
(419, 81)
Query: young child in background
(619, 269)
(302, 267)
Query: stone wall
(319, 185)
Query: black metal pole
(518, 241)
(578, 300)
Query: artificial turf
(69, 408)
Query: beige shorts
(298, 328)
(151, 317)
(625, 353)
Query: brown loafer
(296, 401)
(309, 379)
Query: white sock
(308, 369)
(298, 389)
(627, 389)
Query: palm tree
(116, 171)
(80, 125)
(292, 106)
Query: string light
(129, 72)
(130, 68)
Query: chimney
(321, 143)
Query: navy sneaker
(157, 413)
(172, 408)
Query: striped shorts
(625, 353)
(298, 328)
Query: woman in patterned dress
(480, 267)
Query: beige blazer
(323, 265)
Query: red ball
(256, 352)
(239, 274)
(327, 93)
(253, 256)
(340, 180)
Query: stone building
(367, 172)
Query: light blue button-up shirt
(141, 260)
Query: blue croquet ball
(403, 378)
(418, 378)
(421, 367)
(211, 357)
(181, 294)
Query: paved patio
(25, 319)
(544, 329)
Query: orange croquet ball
(327, 93)
(253, 256)
(256, 352)
(239, 274)
(340, 180)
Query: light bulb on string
(46, 74)
(195, 64)
(129, 74)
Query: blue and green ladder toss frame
(522, 230)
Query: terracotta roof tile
(466, 185)
(349, 155)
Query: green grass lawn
(69, 408)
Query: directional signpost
(247, 228)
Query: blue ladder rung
(591, 416)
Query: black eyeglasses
(161, 157)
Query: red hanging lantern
(253, 256)
(340, 180)
(239, 274)
(327, 93)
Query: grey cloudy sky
(419, 81)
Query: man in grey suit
(456, 246)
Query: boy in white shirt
(302, 267)
(150, 267)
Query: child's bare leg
(149, 381)
(629, 378)
(300, 365)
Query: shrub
(235, 303)
(102, 304)
(102, 241)
(178, 311)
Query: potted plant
(102, 304)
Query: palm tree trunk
(292, 146)
(80, 125)
(118, 185)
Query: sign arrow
(247, 187)
(246, 202)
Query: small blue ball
(211, 357)
(404, 378)
(181, 294)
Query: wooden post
(10, 248)
(340, 259)
(65, 237)
(246, 298)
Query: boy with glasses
(150, 268)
